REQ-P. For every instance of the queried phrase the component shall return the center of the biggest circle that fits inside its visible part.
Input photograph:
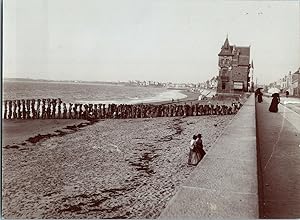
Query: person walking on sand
(199, 145)
(194, 155)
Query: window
(223, 85)
(238, 85)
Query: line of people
(56, 109)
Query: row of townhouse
(210, 84)
(290, 82)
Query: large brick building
(234, 69)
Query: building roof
(226, 49)
(242, 54)
(226, 44)
(245, 51)
(297, 72)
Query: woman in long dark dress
(194, 155)
(259, 95)
(200, 145)
(274, 104)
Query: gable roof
(245, 51)
(226, 44)
(226, 49)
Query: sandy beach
(16, 132)
(112, 168)
(124, 168)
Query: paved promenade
(224, 184)
(278, 147)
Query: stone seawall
(224, 184)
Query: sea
(92, 93)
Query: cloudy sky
(162, 40)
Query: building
(213, 83)
(296, 83)
(289, 81)
(234, 68)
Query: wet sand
(190, 97)
(15, 132)
(123, 168)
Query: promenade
(279, 159)
(224, 184)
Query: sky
(160, 40)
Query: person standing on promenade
(259, 94)
(287, 94)
(259, 97)
(274, 104)
(194, 155)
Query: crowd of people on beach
(56, 109)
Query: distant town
(208, 84)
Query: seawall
(224, 184)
